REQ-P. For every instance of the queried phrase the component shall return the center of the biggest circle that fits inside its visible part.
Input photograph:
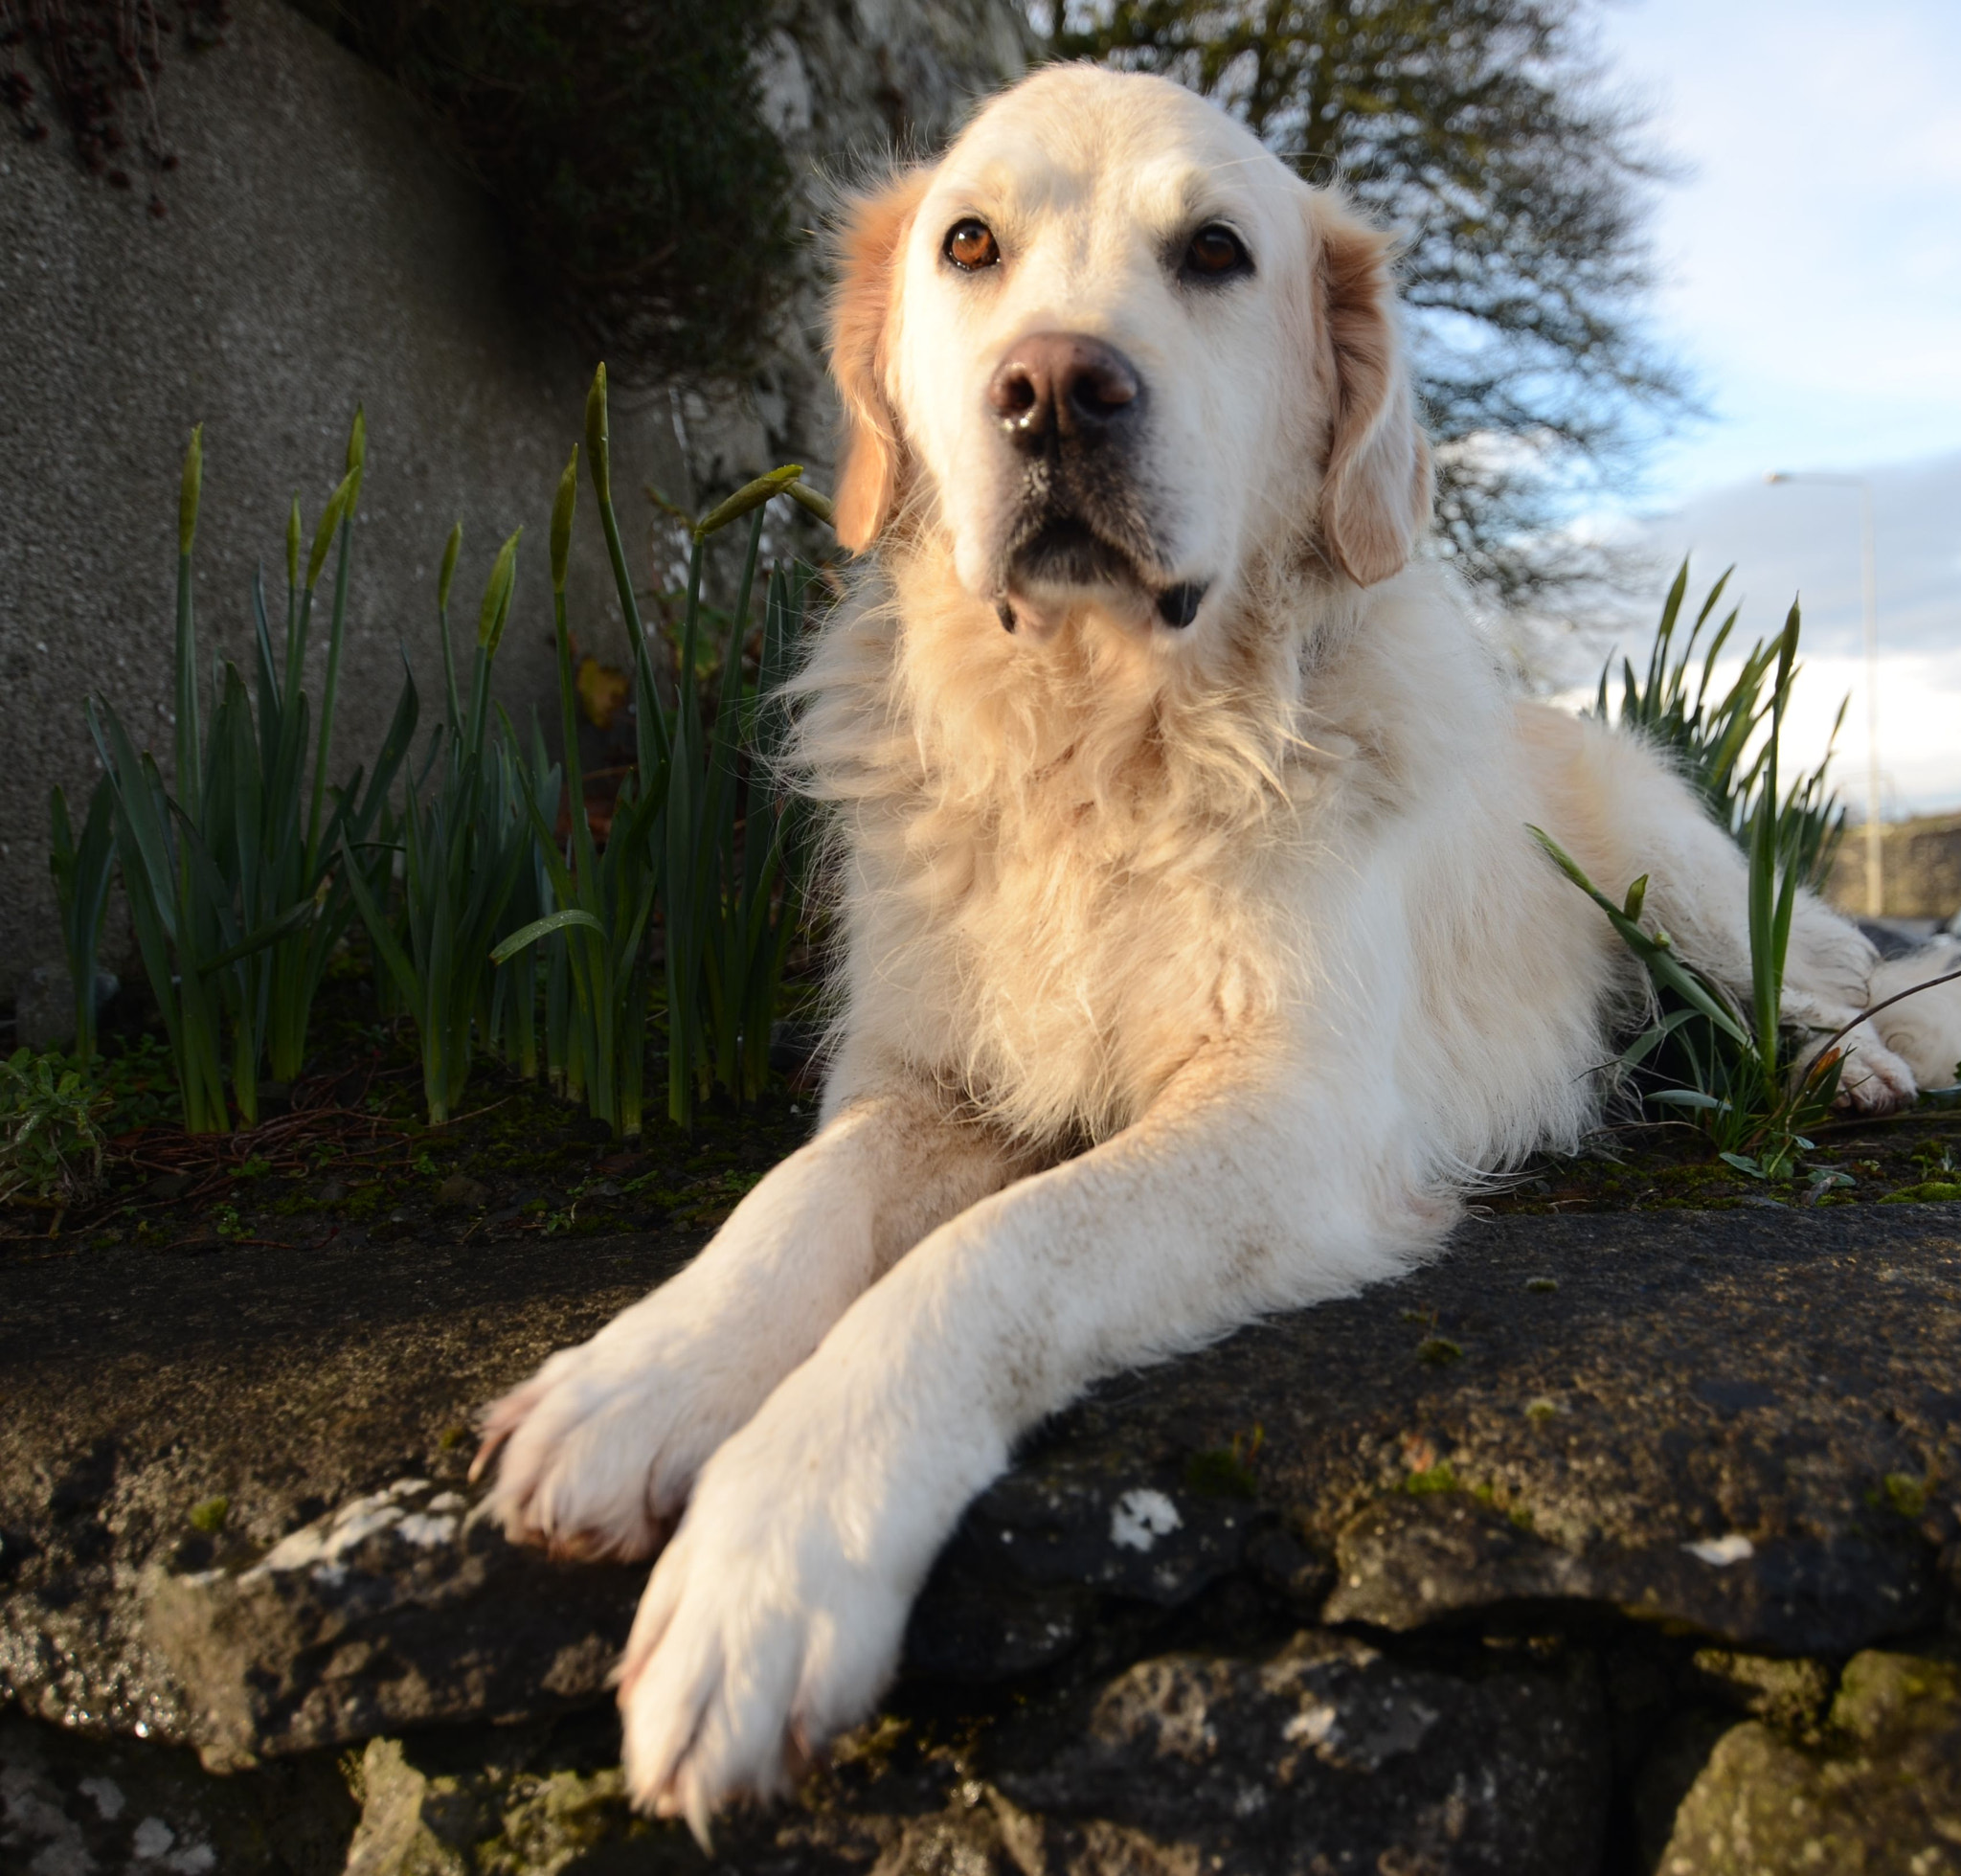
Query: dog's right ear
(869, 258)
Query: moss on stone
(1880, 1792)
(420, 1817)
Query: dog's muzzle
(1072, 409)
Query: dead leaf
(601, 691)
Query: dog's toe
(1873, 1081)
(766, 1628)
(595, 1456)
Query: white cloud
(1801, 541)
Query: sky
(1811, 266)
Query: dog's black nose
(1063, 386)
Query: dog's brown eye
(970, 246)
(1215, 253)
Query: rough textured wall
(320, 251)
(1921, 868)
(847, 85)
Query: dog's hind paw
(1873, 1080)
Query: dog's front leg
(596, 1452)
(776, 1614)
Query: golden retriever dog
(1197, 960)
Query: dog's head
(1119, 350)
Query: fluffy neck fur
(1065, 866)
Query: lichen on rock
(1878, 1794)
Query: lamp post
(1875, 848)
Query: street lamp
(1875, 848)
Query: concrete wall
(320, 251)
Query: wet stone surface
(1551, 1557)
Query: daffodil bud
(329, 521)
(804, 496)
(357, 453)
(451, 549)
(597, 458)
(561, 520)
(189, 491)
(496, 607)
(750, 495)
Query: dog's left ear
(869, 252)
(1376, 491)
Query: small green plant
(1228, 1470)
(82, 869)
(51, 1137)
(210, 1514)
(302, 827)
(246, 870)
(692, 832)
(1903, 1493)
(511, 1024)
(1712, 737)
(227, 871)
(730, 914)
(604, 900)
(140, 1082)
(1740, 1084)
(461, 848)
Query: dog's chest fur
(1061, 870)
(1064, 972)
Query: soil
(345, 1154)
(1910, 1158)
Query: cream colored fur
(1189, 974)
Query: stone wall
(1603, 1547)
(318, 252)
(850, 87)
(1921, 867)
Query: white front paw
(598, 1451)
(772, 1620)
